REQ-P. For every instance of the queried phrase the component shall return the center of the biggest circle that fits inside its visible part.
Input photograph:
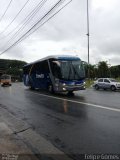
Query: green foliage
(93, 71)
(103, 70)
(89, 83)
(115, 71)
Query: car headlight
(64, 84)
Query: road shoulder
(19, 138)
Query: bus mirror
(84, 63)
(57, 63)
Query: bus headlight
(56, 80)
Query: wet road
(88, 122)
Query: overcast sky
(66, 32)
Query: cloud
(66, 32)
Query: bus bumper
(70, 88)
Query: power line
(56, 5)
(15, 17)
(25, 19)
(41, 18)
(6, 10)
(47, 14)
(48, 19)
(23, 36)
(39, 6)
(36, 23)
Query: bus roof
(58, 57)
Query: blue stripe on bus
(71, 81)
(68, 58)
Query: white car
(106, 83)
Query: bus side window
(56, 70)
(41, 67)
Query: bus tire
(70, 93)
(32, 88)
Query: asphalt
(86, 123)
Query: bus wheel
(70, 93)
(50, 89)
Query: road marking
(78, 102)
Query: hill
(12, 67)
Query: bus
(56, 74)
(5, 80)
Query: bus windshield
(69, 70)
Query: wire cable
(28, 20)
(24, 20)
(15, 17)
(46, 20)
(39, 6)
(21, 38)
(49, 18)
(60, 1)
(6, 10)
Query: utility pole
(109, 65)
(88, 38)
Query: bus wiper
(69, 73)
(75, 71)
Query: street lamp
(88, 38)
(109, 66)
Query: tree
(92, 70)
(12, 67)
(115, 71)
(103, 70)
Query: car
(106, 83)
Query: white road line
(78, 102)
